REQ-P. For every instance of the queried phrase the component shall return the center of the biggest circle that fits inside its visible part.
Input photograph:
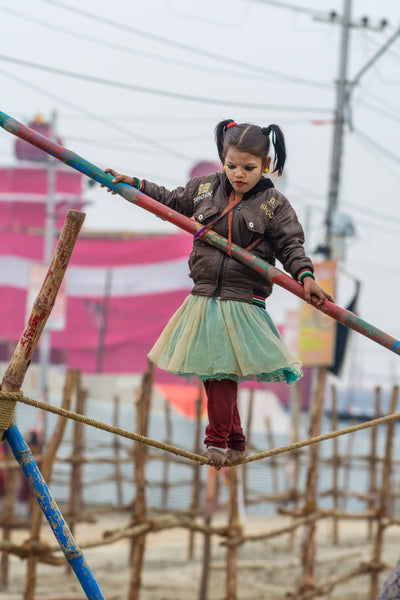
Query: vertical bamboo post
(233, 531)
(373, 462)
(70, 384)
(143, 400)
(12, 382)
(166, 458)
(8, 517)
(311, 505)
(273, 462)
(78, 449)
(211, 502)
(335, 466)
(296, 455)
(382, 511)
(196, 480)
(347, 465)
(21, 358)
(249, 441)
(117, 453)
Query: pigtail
(278, 141)
(220, 132)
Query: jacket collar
(264, 184)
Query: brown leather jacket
(263, 211)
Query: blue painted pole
(71, 550)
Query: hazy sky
(148, 81)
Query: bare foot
(234, 456)
(216, 457)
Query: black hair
(252, 139)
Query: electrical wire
(62, 101)
(394, 157)
(181, 46)
(123, 48)
(292, 7)
(158, 92)
(378, 109)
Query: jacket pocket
(253, 221)
(206, 212)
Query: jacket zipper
(218, 291)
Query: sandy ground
(267, 570)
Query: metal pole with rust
(345, 317)
(11, 384)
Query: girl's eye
(250, 168)
(231, 167)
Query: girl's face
(244, 170)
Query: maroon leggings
(224, 429)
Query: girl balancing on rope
(222, 333)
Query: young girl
(222, 332)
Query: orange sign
(316, 330)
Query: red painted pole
(345, 317)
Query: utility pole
(343, 88)
(44, 355)
(337, 142)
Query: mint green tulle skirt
(224, 339)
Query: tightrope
(185, 453)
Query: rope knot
(8, 400)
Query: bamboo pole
(383, 501)
(294, 458)
(245, 473)
(210, 506)
(234, 531)
(139, 511)
(70, 384)
(196, 480)
(335, 466)
(8, 515)
(345, 317)
(166, 458)
(21, 358)
(373, 488)
(12, 382)
(117, 451)
(273, 463)
(76, 505)
(311, 505)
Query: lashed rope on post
(20, 397)
(7, 407)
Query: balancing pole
(274, 275)
(10, 386)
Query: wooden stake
(117, 449)
(138, 545)
(383, 500)
(373, 488)
(311, 504)
(195, 503)
(234, 530)
(71, 381)
(248, 442)
(335, 466)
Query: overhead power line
(127, 50)
(293, 7)
(186, 47)
(158, 92)
(103, 120)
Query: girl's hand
(118, 178)
(311, 288)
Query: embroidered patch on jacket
(203, 192)
(267, 209)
